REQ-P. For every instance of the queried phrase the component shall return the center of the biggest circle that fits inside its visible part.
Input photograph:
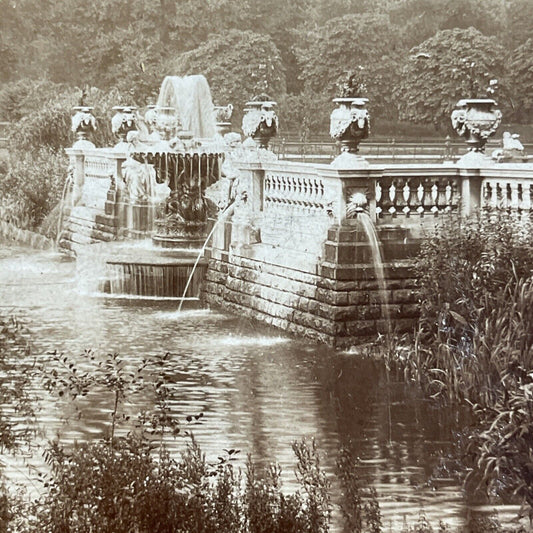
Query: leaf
(458, 317)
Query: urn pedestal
(223, 118)
(350, 123)
(83, 123)
(123, 121)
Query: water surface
(259, 389)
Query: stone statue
(513, 149)
(139, 177)
(511, 142)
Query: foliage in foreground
(475, 341)
(132, 483)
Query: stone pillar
(470, 191)
(248, 209)
(77, 164)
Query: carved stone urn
(123, 121)
(260, 121)
(349, 123)
(476, 120)
(167, 122)
(223, 118)
(83, 122)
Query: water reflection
(259, 391)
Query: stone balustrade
(307, 265)
(294, 204)
(93, 171)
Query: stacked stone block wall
(336, 306)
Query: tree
(519, 22)
(369, 43)
(421, 19)
(451, 65)
(238, 65)
(520, 81)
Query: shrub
(14, 385)
(476, 315)
(475, 340)
(32, 186)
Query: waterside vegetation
(474, 344)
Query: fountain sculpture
(150, 187)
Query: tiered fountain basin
(144, 270)
(159, 238)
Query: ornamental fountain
(148, 192)
(320, 250)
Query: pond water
(259, 390)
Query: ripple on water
(259, 390)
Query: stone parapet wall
(318, 306)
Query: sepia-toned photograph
(266, 267)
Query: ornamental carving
(260, 121)
(350, 123)
(476, 120)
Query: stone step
(88, 228)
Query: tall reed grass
(474, 344)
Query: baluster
(266, 187)
(379, 192)
(289, 193)
(448, 195)
(316, 192)
(392, 198)
(486, 194)
(420, 193)
(526, 197)
(494, 195)
(406, 192)
(435, 198)
(512, 189)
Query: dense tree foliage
(356, 42)
(237, 65)
(453, 64)
(521, 81)
(130, 45)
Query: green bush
(32, 186)
(32, 180)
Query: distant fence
(423, 151)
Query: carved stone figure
(513, 149)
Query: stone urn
(476, 120)
(123, 121)
(349, 123)
(223, 118)
(83, 122)
(167, 122)
(260, 121)
(150, 117)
